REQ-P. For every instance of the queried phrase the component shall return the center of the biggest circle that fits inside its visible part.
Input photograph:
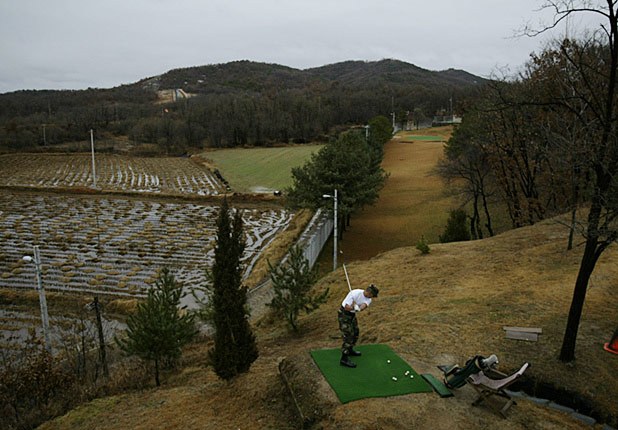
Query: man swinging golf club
(356, 301)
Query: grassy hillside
(434, 309)
(259, 169)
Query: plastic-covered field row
(81, 254)
(151, 175)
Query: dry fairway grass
(411, 205)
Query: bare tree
(466, 169)
(593, 71)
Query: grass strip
(422, 138)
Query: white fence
(315, 236)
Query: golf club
(346, 277)
(346, 272)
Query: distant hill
(247, 76)
(232, 104)
(237, 76)
(394, 72)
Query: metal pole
(42, 299)
(334, 197)
(335, 237)
(94, 173)
(102, 353)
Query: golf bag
(456, 377)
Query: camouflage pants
(349, 330)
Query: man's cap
(373, 289)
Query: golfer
(357, 300)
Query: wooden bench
(523, 333)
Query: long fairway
(412, 204)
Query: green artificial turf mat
(373, 376)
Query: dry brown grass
(400, 216)
(433, 309)
(122, 306)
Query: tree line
(247, 110)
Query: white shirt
(356, 297)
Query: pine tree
(235, 348)
(345, 164)
(158, 330)
(292, 283)
(456, 227)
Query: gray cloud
(86, 43)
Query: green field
(421, 138)
(260, 169)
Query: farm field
(168, 175)
(257, 170)
(116, 246)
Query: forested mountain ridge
(233, 77)
(231, 104)
(392, 72)
(252, 76)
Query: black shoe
(354, 353)
(345, 361)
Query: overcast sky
(76, 44)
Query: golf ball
(411, 376)
(388, 361)
(394, 379)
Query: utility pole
(102, 353)
(335, 238)
(393, 110)
(42, 299)
(94, 173)
(44, 136)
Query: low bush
(422, 246)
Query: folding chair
(487, 387)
